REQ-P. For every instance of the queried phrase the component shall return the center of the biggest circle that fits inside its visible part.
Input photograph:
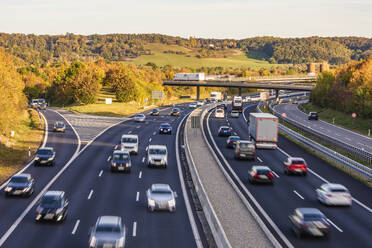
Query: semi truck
(189, 77)
(237, 103)
(263, 129)
(215, 95)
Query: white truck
(237, 103)
(263, 129)
(215, 95)
(189, 77)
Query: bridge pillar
(277, 95)
(240, 91)
(197, 92)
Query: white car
(162, 197)
(129, 142)
(219, 113)
(140, 117)
(334, 194)
(192, 105)
(200, 103)
(235, 114)
(157, 155)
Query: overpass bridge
(299, 83)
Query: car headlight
(93, 242)
(114, 164)
(8, 189)
(59, 210)
(27, 189)
(127, 165)
(120, 242)
(172, 203)
(151, 202)
(37, 158)
(49, 159)
(161, 129)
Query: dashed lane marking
(294, 191)
(75, 227)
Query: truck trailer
(215, 95)
(263, 129)
(189, 77)
(237, 103)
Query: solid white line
(116, 147)
(147, 148)
(138, 126)
(333, 224)
(108, 159)
(129, 132)
(90, 194)
(143, 159)
(337, 134)
(75, 227)
(137, 196)
(347, 139)
(140, 175)
(258, 158)
(150, 139)
(154, 133)
(134, 229)
(275, 174)
(294, 191)
(100, 173)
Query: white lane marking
(150, 139)
(337, 134)
(143, 159)
(175, 194)
(108, 159)
(116, 147)
(258, 158)
(140, 175)
(326, 181)
(139, 126)
(334, 225)
(321, 127)
(90, 194)
(100, 173)
(137, 196)
(298, 194)
(129, 132)
(275, 174)
(154, 133)
(75, 227)
(147, 148)
(347, 139)
(134, 229)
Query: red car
(295, 166)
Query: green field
(226, 58)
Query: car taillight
(255, 175)
(329, 195)
(229, 130)
(271, 175)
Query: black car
(232, 141)
(175, 112)
(59, 126)
(313, 116)
(224, 131)
(155, 111)
(53, 206)
(260, 174)
(121, 161)
(309, 221)
(165, 128)
(45, 156)
(21, 184)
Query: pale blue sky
(198, 18)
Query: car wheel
(129, 170)
(304, 174)
(112, 169)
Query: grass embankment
(224, 58)
(14, 151)
(358, 125)
(116, 109)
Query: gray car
(108, 232)
(21, 184)
(59, 126)
(245, 149)
(161, 197)
(140, 118)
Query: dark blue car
(232, 141)
(224, 131)
(21, 184)
(165, 128)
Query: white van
(219, 113)
(129, 143)
(157, 155)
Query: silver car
(108, 232)
(161, 196)
(140, 117)
(234, 114)
(157, 155)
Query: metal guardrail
(340, 159)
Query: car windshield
(129, 140)
(238, 101)
(108, 228)
(35, 101)
(234, 138)
(219, 111)
(17, 179)
(41, 100)
(339, 190)
(51, 201)
(297, 162)
(245, 145)
(313, 217)
(161, 192)
(139, 116)
(155, 110)
(59, 124)
(175, 110)
(44, 152)
(120, 157)
(164, 126)
(158, 151)
(263, 171)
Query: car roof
(234, 137)
(224, 127)
(334, 186)
(140, 114)
(175, 109)
(121, 152)
(54, 193)
(157, 147)
(165, 123)
(305, 211)
(160, 186)
(296, 158)
(46, 148)
(246, 141)
(260, 167)
(130, 136)
(28, 176)
(313, 112)
(235, 111)
(109, 220)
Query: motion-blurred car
(332, 194)
(221, 106)
(121, 161)
(309, 221)
(165, 128)
(313, 116)
(59, 126)
(129, 142)
(53, 206)
(200, 103)
(192, 105)
(295, 166)
(245, 149)
(155, 111)
(43, 106)
(157, 155)
(21, 184)
(161, 197)
(175, 112)
(219, 113)
(234, 114)
(232, 141)
(224, 131)
(44, 156)
(140, 118)
(108, 232)
(260, 174)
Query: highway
(65, 145)
(351, 227)
(93, 191)
(344, 135)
